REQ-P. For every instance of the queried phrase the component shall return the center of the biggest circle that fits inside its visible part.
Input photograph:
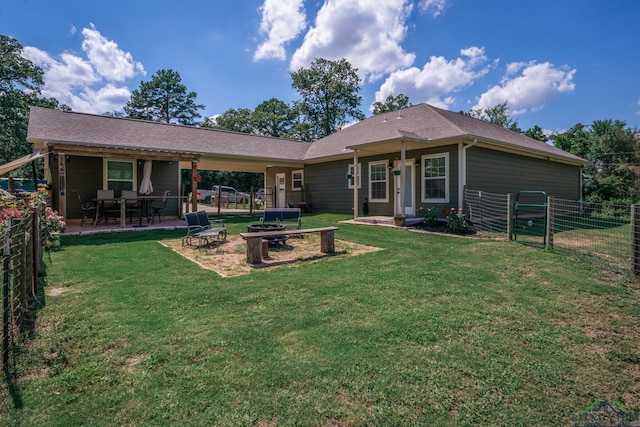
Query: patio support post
(403, 157)
(194, 186)
(356, 179)
(62, 185)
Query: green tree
(498, 115)
(536, 132)
(233, 120)
(392, 103)
(273, 118)
(164, 99)
(329, 92)
(613, 174)
(20, 87)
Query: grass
(433, 330)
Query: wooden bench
(256, 250)
(289, 217)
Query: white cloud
(437, 79)
(536, 85)
(87, 84)
(367, 33)
(105, 99)
(638, 112)
(282, 21)
(434, 7)
(108, 60)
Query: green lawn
(432, 330)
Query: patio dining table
(142, 201)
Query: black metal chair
(110, 208)
(88, 209)
(158, 205)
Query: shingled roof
(421, 124)
(72, 128)
(428, 124)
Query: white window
(378, 177)
(297, 180)
(120, 175)
(435, 178)
(351, 171)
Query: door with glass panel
(408, 190)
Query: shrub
(456, 221)
(429, 215)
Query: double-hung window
(435, 178)
(378, 178)
(297, 180)
(120, 175)
(351, 171)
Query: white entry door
(282, 195)
(409, 188)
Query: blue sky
(556, 62)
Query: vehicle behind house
(230, 194)
(204, 196)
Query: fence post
(509, 216)
(6, 306)
(549, 229)
(635, 238)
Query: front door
(282, 195)
(409, 188)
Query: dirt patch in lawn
(229, 259)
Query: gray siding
(327, 189)
(292, 198)
(85, 175)
(164, 176)
(327, 186)
(503, 173)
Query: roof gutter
(462, 167)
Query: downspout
(462, 167)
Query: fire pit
(273, 240)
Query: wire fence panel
(487, 211)
(594, 229)
(21, 258)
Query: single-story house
(420, 156)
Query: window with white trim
(297, 180)
(120, 175)
(378, 178)
(351, 171)
(435, 178)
